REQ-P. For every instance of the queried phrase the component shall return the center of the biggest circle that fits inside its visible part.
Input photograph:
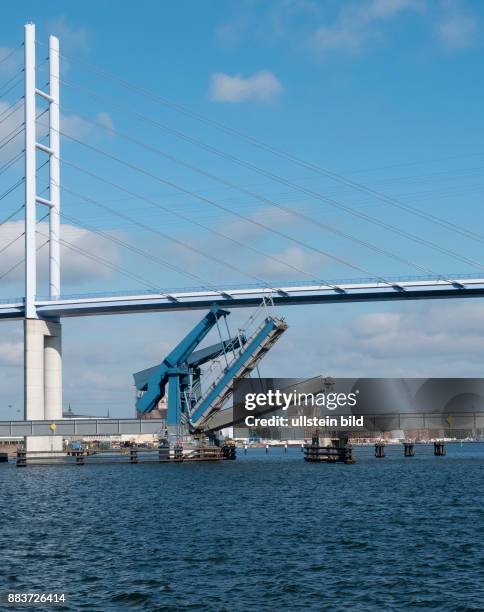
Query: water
(266, 532)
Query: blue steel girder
(241, 366)
(201, 356)
(153, 389)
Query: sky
(236, 142)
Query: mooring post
(178, 452)
(379, 450)
(408, 449)
(133, 454)
(164, 450)
(439, 448)
(21, 457)
(338, 451)
(348, 454)
(229, 451)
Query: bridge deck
(81, 427)
(240, 297)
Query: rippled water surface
(264, 532)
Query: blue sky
(384, 92)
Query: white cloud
(327, 38)
(11, 352)
(228, 34)
(75, 126)
(105, 120)
(282, 264)
(386, 9)
(72, 125)
(8, 128)
(262, 86)
(273, 21)
(240, 230)
(76, 267)
(375, 324)
(336, 28)
(78, 127)
(443, 339)
(70, 38)
(458, 31)
(357, 23)
(11, 125)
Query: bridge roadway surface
(93, 426)
(81, 427)
(417, 288)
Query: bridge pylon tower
(42, 338)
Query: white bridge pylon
(43, 379)
(42, 339)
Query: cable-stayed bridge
(36, 119)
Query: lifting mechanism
(194, 395)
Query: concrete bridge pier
(42, 379)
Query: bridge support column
(42, 379)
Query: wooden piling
(439, 448)
(178, 452)
(339, 451)
(408, 449)
(133, 455)
(229, 451)
(21, 457)
(164, 451)
(379, 450)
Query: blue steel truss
(180, 372)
